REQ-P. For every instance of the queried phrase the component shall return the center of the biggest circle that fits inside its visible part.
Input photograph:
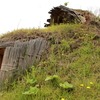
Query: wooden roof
(62, 14)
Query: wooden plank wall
(33, 50)
(9, 63)
(20, 57)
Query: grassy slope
(74, 56)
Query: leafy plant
(33, 90)
(66, 3)
(30, 77)
(54, 80)
(66, 85)
(51, 78)
(31, 81)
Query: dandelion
(62, 99)
(81, 84)
(88, 87)
(91, 82)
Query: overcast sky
(17, 14)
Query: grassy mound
(70, 70)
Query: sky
(18, 14)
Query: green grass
(74, 57)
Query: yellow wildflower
(88, 87)
(81, 84)
(91, 82)
(62, 99)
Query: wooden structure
(62, 14)
(16, 57)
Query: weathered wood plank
(9, 64)
(31, 52)
(10, 58)
(21, 57)
(6, 44)
(34, 50)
